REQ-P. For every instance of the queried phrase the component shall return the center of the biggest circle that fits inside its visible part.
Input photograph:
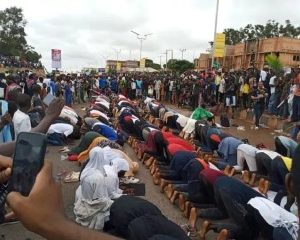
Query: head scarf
(97, 161)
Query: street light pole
(118, 51)
(166, 53)
(182, 50)
(160, 60)
(141, 38)
(215, 32)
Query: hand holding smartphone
(48, 99)
(28, 160)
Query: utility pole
(160, 60)
(141, 37)
(215, 32)
(170, 50)
(182, 50)
(166, 53)
(118, 51)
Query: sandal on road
(72, 177)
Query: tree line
(269, 30)
(13, 36)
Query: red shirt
(211, 175)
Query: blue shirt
(105, 131)
(138, 84)
(102, 83)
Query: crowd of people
(209, 173)
(14, 62)
(261, 90)
(226, 178)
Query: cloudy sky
(90, 31)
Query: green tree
(233, 36)
(274, 63)
(12, 33)
(13, 37)
(269, 30)
(31, 55)
(151, 64)
(180, 66)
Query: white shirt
(247, 149)
(272, 82)
(62, 128)
(157, 85)
(275, 215)
(263, 75)
(270, 153)
(21, 122)
(171, 86)
(133, 85)
(222, 86)
(47, 81)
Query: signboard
(219, 45)
(56, 58)
(143, 63)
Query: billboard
(219, 45)
(56, 58)
(143, 63)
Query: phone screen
(27, 161)
(48, 99)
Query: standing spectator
(230, 95)
(58, 88)
(170, 90)
(2, 89)
(21, 120)
(150, 90)
(272, 107)
(114, 85)
(68, 93)
(195, 94)
(157, 89)
(245, 93)
(221, 90)
(162, 91)
(296, 100)
(139, 87)
(218, 79)
(102, 82)
(133, 89)
(11, 86)
(259, 97)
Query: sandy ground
(17, 231)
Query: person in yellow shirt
(218, 82)
(280, 167)
(245, 93)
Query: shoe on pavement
(128, 180)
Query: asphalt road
(18, 232)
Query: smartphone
(48, 99)
(28, 160)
